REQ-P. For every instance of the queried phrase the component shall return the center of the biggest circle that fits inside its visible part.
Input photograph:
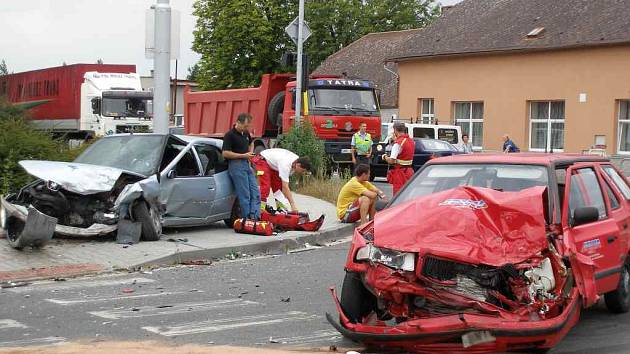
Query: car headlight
(393, 259)
(379, 148)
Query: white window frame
(427, 118)
(470, 120)
(619, 122)
(549, 122)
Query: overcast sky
(37, 34)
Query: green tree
(239, 40)
(4, 70)
(193, 72)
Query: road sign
(292, 31)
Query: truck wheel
(356, 301)
(618, 300)
(233, 216)
(276, 107)
(150, 219)
(14, 230)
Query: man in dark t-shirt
(237, 149)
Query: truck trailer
(334, 106)
(82, 100)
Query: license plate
(346, 151)
(474, 338)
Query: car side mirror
(171, 174)
(585, 215)
(96, 105)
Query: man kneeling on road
(273, 168)
(357, 198)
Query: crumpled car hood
(468, 224)
(76, 177)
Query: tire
(356, 301)
(618, 300)
(275, 109)
(150, 220)
(14, 230)
(234, 215)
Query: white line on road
(76, 284)
(146, 311)
(8, 323)
(85, 299)
(317, 336)
(34, 341)
(230, 323)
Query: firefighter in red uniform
(401, 157)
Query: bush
(303, 141)
(20, 141)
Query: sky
(36, 34)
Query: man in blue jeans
(237, 149)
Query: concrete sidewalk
(65, 257)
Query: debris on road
(127, 290)
(197, 262)
(10, 284)
(286, 299)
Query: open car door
(587, 227)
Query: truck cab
(336, 107)
(114, 103)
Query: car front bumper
(18, 211)
(445, 333)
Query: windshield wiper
(362, 110)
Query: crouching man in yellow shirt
(357, 198)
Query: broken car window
(438, 178)
(212, 160)
(135, 153)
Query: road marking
(76, 284)
(8, 323)
(146, 311)
(34, 341)
(86, 299)
(317, 336)
(230, 323)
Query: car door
(594, 242)
(187, 192)
(619, 207)
(214, 166)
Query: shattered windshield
(438, 178)
(126, 107)
(136, 153)
(343, 99)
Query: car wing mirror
(585, 215)
(171, 174)
(96, 105)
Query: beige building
(553, 74)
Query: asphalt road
(275, 301)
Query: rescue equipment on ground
(253, 227)
(291, 221)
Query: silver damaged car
(145, 180)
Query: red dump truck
(334, 106)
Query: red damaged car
(486, 253)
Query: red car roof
(527, 158)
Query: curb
(273, 246)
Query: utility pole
(162, 67)
(300, 51)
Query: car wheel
(618, 300)
(356, 301)
(150, 220)
(233, 216)
(14, 228)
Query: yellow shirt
(350, 192)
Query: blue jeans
(246, 188)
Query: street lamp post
(162, 67)
(300, 49)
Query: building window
(624, 126)
(427, 111)
(469, 116)
(546, 119)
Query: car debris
(488, 254)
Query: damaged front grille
(473, 281)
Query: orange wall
(505, 83)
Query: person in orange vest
(401, 157)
